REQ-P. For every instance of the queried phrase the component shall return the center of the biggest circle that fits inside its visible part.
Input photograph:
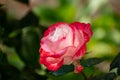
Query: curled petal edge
(85, 28)
(53, 66)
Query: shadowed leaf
(91, 62)
(116, 62)
(64, 69)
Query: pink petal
(51, 65)
(53, 26)
(49, 44)
(43, 53)
(78, 36)
(80, 52)
(55, 66)
(68, 55)
(85, 28)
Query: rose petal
(85, 28)
(52, 54)
(80, 52)
(54, 67)
(51, 63)
(50, 40)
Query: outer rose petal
(78, 41)
(85, 28)
(80, 52)
(78, 36)
(68, 55)
(51, 65)
(55, 66)
(52, 27)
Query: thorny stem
(85, 77)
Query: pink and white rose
(64, 44)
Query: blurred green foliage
(21, 31)
(65, 12)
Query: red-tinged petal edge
(51, 66)
(85, 28)
(87, 32)
(55, 67)
(43, 53)
(43, 61)
(80, 52)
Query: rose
(64, 44)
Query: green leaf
(14, 33)
(108, 76)
(116, 62)
(12, 57)
(30, 45)
(89, 70)
(64, 69)
(91, 62)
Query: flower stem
(85, 77)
